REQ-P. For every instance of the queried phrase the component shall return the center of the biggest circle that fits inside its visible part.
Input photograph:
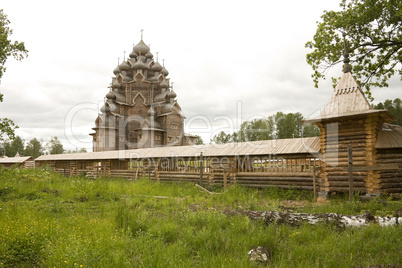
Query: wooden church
(140, 110)
(358, 150)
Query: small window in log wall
(175, 126)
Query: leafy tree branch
(373, 31)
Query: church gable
(139, 99)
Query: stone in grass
(259, 254)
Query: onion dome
(164, 71)
(113, 107)
(157, 67)
(116, 70)
(119, 97)
(141, 48)
(132, 61)
(116, 84)
(167, 108)
(164, 84)
(153, 78)
(124, 66)
(149, 55)
(139, 65)
(151, 112)
(110, 96)
(105, 109)
(172, 94)
(126, 78)
(97, 121)
(133, 54)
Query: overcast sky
(230, 61)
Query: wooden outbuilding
(22, 161)
(348, 120)
(283, 163)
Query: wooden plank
(375, 168)
(314, 186)
(350, 170)
(201, 167)
(274, 174)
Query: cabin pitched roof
(347, 99)
(15, 160)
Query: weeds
(47, 220)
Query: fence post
(149, 169)
(201, 167)
(350, 170)
(314, 185)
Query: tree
(7, 49)
(34, 148)
(198, 140)
(373, 32)
(394, 107)
(81, 150)
(255, 130)
(277, 126)
(222, 137)
(288, 125)
(5, 148)
(7, 128)
(16, 146)
(310, 131)
(55, 146)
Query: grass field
(47, 220)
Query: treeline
(33, 148)
(286, 126)
(277, 126)
(394, 107)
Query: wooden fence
(250, 171)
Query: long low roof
(266, 147)
(389, 137)
(15, 160)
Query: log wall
(292, 171)
(390, 180)
(361, 132)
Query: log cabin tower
(348, 118)
(140, 110)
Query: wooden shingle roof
(347, 100)
(266, 147)
(15, 160)
(389, 137)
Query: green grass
(47, 220)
